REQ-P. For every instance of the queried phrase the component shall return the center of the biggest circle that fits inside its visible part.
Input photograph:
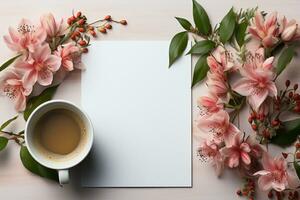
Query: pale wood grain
(148, 20)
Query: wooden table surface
(148, 20)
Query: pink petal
(267, 64)
(68, 65)
(45, 77)
(271, 19)
(233, 160)
(269, 41)
(262, 172)
(245, 158)
(42, 53)
(9, 43)
(259, 20)
(243, 86)
(53, 63)
(272, 89)
(30, 79)
(14, 35)
(40, 35)
(265, 182)
(267, 162)
(20, 102)
(245, 147)
(257, 98)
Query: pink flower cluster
(38, 63)
(271, 29)
(226, 145)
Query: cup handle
(63, 176)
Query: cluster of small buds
(290, 99)
(248, 189)
(263, 125)
(291, 195)
(297, 152)
(81, 30)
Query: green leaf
(202, 47)
(9, 62)
(3, 143)
(184, 23)
(201, 69)
(287, 134)
(36, 168)
(34, 102)
(240, 32)
(201, 19)
(5, 124)
(177, 46)
(284, 59)
(227, 26)
(297, 169)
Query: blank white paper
(141, 113)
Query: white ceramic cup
(63, 165)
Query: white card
(141, 113)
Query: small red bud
(107, 17)
(91, 28)
(85, 50)
(266, 133)
(297, 145)
(76, 33)
(82, 30)
(69, 21)
(73, 36)
(93, 33)
(295, 86)
(253, 115)
(250, 120)
(254, 127)
(108, 26)
(291, 94)
(285, 155)
(102, 30)
(270, 195)
(81, 22)
(72, 18)
(82, 43)
(275, 122)
(78, 14)
(123, 22)
(239, 192)
(298, 155)
(287, 83)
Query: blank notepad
(141, 113)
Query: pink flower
(211, 150)
(218, 124)
(289, 30)
(275, 174)
(216, 79)
(209, 104)
(39, 67)
(265, 30)
(67, 53)
(237, 152)
(26, 38)
(12, 86)
(257, 81)
(52, 27)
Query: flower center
(11, 91)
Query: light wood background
(148, 20)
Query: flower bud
(289, 32)
(85, 50)
(78, 14)
(298, 155)
(108, 26)
(291, 94)
(107, 17)
(295, 86)
(102, 30)
(123, 22)
(287, 83)
(297, 145)
(285, 155)
(275, 122)
(93, 33)
(82, 30)
(250, 120)
(254, 127)
(81, 22)
(82, 43)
